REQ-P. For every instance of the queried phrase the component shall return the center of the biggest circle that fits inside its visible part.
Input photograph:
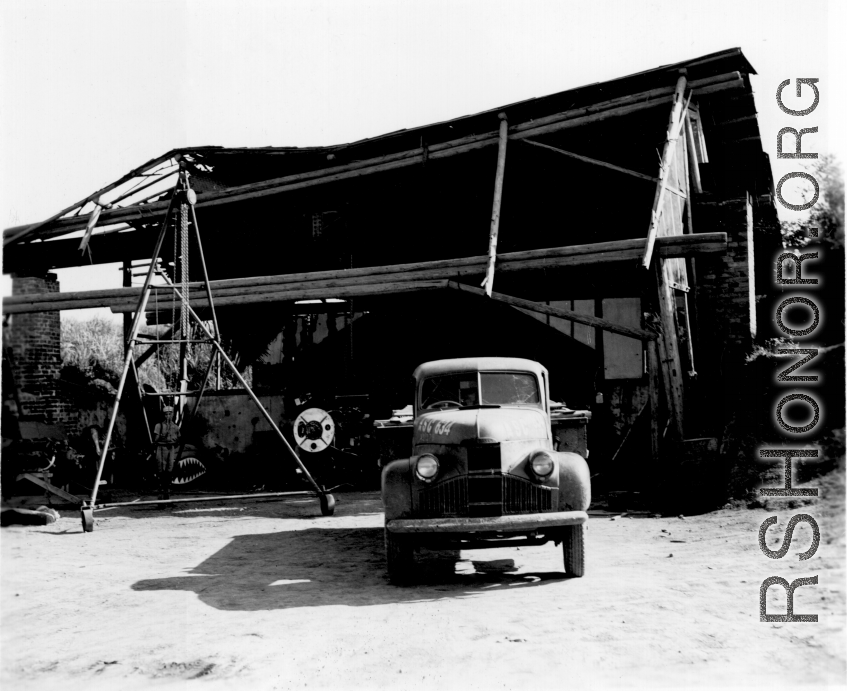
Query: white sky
(91, 90)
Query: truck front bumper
(520, 523)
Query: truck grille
(492, 494)
(521, 496)
(448, 498)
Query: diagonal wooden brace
(674, 129)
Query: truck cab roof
(478, 364)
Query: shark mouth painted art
(187, 470)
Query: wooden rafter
(593, 161)
(20, 233)
(541, 308)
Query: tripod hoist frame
(186, 198)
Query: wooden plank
(58, 491)
(725, 86)
(664, 169)
(556, 312)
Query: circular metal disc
(314, 430)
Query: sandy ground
(272, 595)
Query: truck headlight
(541, 463)
(427, 467)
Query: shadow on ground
(318, 567)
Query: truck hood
(454, 426)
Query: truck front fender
(574, 482)
(397, 489)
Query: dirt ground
(242, 595)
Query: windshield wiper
(481, 405)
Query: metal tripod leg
(87, 512)
(327, 501)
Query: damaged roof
(223, 175)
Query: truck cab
(484, 470)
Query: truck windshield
(469, 389)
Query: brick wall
(33, 342)
(726, 299)
(726, 392)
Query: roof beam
(126, 299)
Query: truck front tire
(573, 548)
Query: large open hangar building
(634, 218)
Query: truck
(486, 469)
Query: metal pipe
(156, 341)
(201, 499)
(171, 393)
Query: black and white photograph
(422, 345)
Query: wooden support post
(488, 283)
(655, 407)
(692, 174)
(669, 350)
(127, 283)
(665, 169)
